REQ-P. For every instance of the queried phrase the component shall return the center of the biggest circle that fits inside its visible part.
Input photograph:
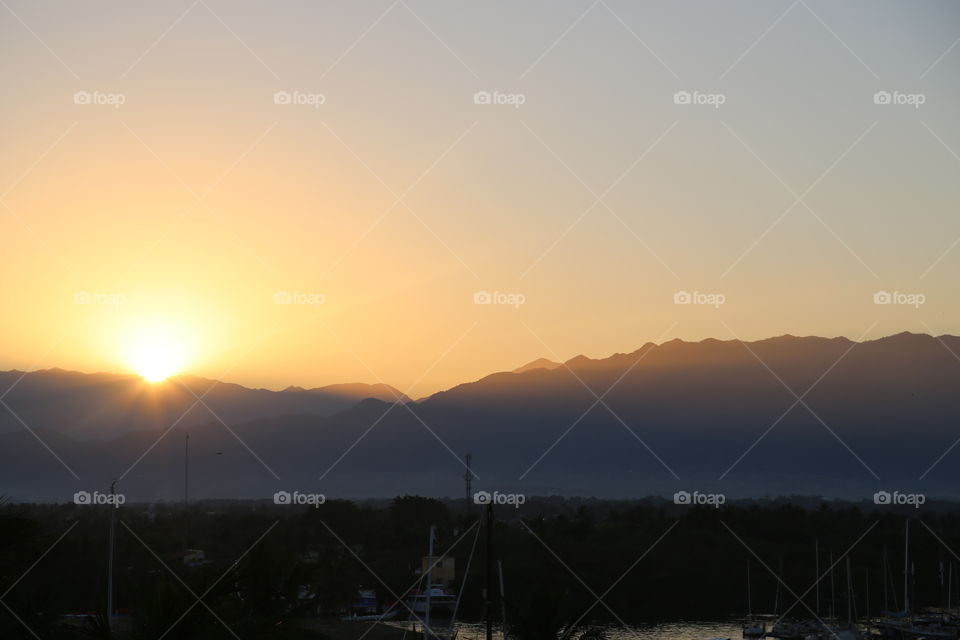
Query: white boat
(438, 600)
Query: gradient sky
(198, 199)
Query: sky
(422, 193)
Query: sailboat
(902, 625)
(751, 629)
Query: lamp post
(113, 514)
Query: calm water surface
(689, 630)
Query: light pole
(113, 513)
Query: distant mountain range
(104, 405)
(710, 416)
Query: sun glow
(157, 350)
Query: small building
(444, 569)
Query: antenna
(468, 480)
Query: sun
(157, 350)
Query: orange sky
(178, 192)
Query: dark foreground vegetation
(289, 572)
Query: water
(687, 630)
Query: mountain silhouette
(104, 405)
(710, 416)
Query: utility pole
(429, 585)
(186, 491)
(113, 513)
(488, 595)
(503, 601)
(906, 568)
(468, 483)
(816, 561)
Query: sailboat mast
(833, 593)
(906, 567)
(429, 585)
(488, 596)
(816, 562)
(749, 603)
(849, 594)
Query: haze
(318, 243)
